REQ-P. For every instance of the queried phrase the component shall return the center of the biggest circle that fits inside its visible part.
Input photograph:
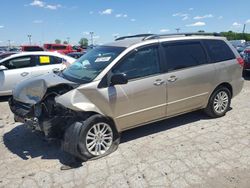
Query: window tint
(32, 48)
(59, 47)
(184, 54)
(218, 50)
(56, 60)
(20, 62)
(140, 63)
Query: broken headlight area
(47, 116)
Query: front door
(143, 98)
(18, 69)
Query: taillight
(240, 61)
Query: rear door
(47, 64)
(189, 76)
(18, 69)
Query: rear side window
(48, 60)
(181, 55)
(218, 51)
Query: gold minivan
(130, 82)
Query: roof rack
(156, 36)
(134, 36)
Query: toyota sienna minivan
(130, 82)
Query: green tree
(83, 42)
(230, 35)
(65, 42)
(58, 41)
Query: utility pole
(91, 38)
(29, 36)
(244, 28)
(68, 39)
(9, 43)
(177, 30)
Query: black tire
(87, 126)
(210, 109)
(74, 141)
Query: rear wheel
(219, 102)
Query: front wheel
(93, 138)
(219, 102)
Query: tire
(216, 106)
(97, 137)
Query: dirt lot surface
(188, 151)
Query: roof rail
(156, 36)
(134, 36)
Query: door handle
(56, 70)
(23, 74)
(158, 82)
(172, 78)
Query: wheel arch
(224, 84)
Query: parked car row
(246, 57)
(243, 48)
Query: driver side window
(140, 63)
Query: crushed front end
(46, 116)
(33, 103)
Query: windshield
(91, 64)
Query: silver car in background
(21, 66)
(131, 82)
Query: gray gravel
(188, 151)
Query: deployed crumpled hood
(31, 91)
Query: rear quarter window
(218, 51)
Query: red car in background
(30, 48)
(60, 48)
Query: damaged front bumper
(23, 113)
(51, 126)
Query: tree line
(230, 35)
(83, 42)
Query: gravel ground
(187, 151)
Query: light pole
(91, 38)
(9, 43)
(68, 39)
(177, 29)
(29, 36)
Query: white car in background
(18, 67)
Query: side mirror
(118, 79)
(2, 67)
